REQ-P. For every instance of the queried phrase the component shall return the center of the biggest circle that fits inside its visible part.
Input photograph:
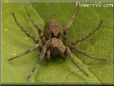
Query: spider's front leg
(69, 23)
(40, 33)
(24, 53)
(23, 29)
(89, 34)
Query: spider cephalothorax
(52, 46)
(52, 29)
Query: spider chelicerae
(53, 39)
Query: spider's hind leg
(74, 62)
(37, 66)
(24, 53)
(72, 47)
(73, 44)
(90, 56)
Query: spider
(52, 46)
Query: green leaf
(14, 41)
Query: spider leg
(24, 53)
(69, 23)
(91, 33)
(48, 55)
(71, 20)
(36, 26)
(90, 56)
(74, 62)
(37, 66)
(23, 29)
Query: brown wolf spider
(52, 46)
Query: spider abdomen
(56, 47)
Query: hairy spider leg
(24, 53)
(82, 39)
(70, 22)
(74, 62)
(37, 66)
(90, 34)
(40, 33)
(86, 54)
(48, 55)
(23, 29)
